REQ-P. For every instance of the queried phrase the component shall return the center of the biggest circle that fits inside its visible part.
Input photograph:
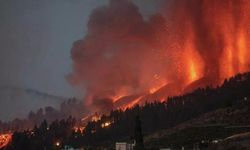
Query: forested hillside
(119, 125)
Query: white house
(124, 146)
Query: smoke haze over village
(35, 42)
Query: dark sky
(36, 37)
(35, 41)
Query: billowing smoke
(192, 42)
(119, 55)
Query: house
(124, 146)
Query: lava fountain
(125, 59)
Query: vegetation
(154, 117)
(139, 145)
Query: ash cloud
(119, 54)
(124, 54)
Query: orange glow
(194, 44)
(192, 60)
(235, 57)
(117, 97)
(120, 93)
(214, 48)
(95, 117)
(157, 87)
(80, 128)
(106, 124)
(133, 103)
(242, 47)
(192, 71)
(227, 63)
(5, 140)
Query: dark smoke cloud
(124, 54)
(118, 54)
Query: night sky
(36, 37)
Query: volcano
(127, 59)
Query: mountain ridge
(24, 100)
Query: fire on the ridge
(5, 139)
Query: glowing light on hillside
(57, 143)
(5, 140)
(106, 124)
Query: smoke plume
(191, 43)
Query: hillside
(236, 142)
(180, 117)
(23, 101)
(197, 118)
(215, 125)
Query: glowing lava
(106, 124)
(190, 44)
(155, 88)
(5, 140)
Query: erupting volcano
(126, 59)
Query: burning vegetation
(126, 59)
(231, 98)
(5, 139)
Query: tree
(138, 135)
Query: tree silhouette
(124, 123)
(138, 135)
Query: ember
(126, 60)
(106, 124)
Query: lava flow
(125, 59)
(5, 140)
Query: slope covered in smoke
(120, 55)
(23, 101)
